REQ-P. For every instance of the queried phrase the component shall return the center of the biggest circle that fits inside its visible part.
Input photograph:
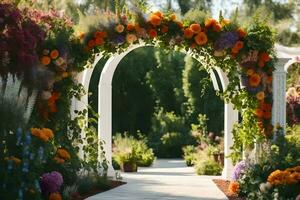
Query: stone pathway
(165, 180)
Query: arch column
(279, 88)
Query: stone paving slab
(165, 180)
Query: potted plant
(127, 160)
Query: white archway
(105, 105)
(230, 115)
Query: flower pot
(129, 167)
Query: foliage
(208, 167)
(127, 149)
(189, 154)
(169, 134)
(279, 154)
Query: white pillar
(231, 117)
(279, 89)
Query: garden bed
(223, 185)
(96, 190)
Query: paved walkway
(165, 180)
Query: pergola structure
(286, 57)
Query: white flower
(264, 187)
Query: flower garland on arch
(251, 49)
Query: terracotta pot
(129, 167)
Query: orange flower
(155, 20)
(269, 79)
(100, 34)
(239, 45)
(91, 43)
(131, 38)
(225, 21)
(235, 50)
(260, 95)
(130, 27)
(99, 41)
(119, 28)
(201, 38)
(266, 107)
(55, 196)
(254, 80)
(65, 74)
(195, 28)
(159, 14)
(48, 132)
(210, 22)
(45, 60)
(173, 17)
(242, 33)
(264, 57)
(64, 154)
(179, 24)
(259, 113)
(217, 27)
(250, 72)
(58, 160)
(234, 187)
(188, 33)
(152, 33)
(193, 45)
(16, 160)
(267, 115)
(164, 29)
(54, 54)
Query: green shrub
(169, 134)
(189, 154)
(127, 149)
(208, 167)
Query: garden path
(165, 180)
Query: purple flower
(226, 40)
(51, 182)
(119, 39)
(238, 170)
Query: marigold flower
(217, 27)
(188, 33)
(131, 38)
(130, 27)
(155, 20)
(195, 28)
(259, 113)
(210, 22)
(225, 21)
(265, 57)
(91, 43)
(152, 33)
(179, 24)
(54, 54)
(55, 196)
(250, 72)
(173, 17)
(59, 160)
(269, 79)
(235, 50)
(100, 34)
(266, 107)
(119, 28)
(99, 41)
(234, 187)
(48, 132)
(239, 45)
(164, 29)
(159, 14)
(254, 80)
(65, 74)
(201, 38)
(242, 33)
(260, 95)
(193, 45)
(63, 153)
(267, 115)
(45, 60)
